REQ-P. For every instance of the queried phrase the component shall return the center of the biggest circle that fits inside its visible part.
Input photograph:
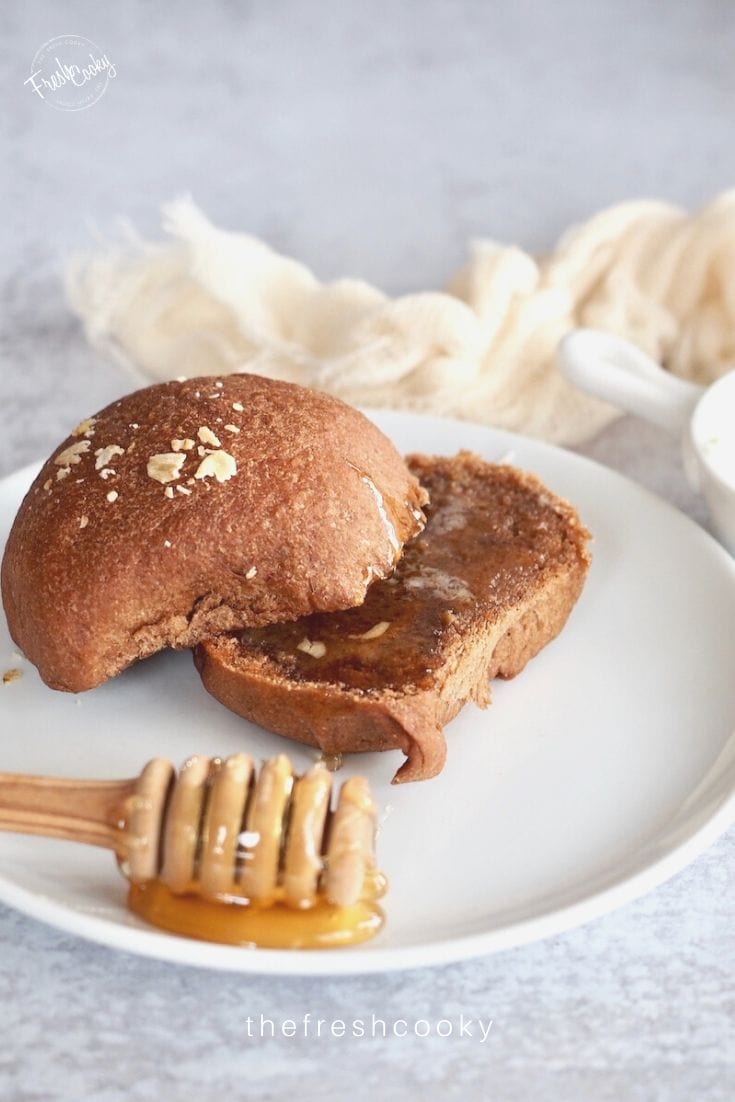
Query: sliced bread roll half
(491, 581)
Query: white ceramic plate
(601, 771)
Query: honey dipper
(219, 853)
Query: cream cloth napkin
(208, 301)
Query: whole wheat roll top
(191, 508)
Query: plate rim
(158, 945)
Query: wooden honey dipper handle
(80, 811)
(125, 816)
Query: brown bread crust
(490, 582)
(107, 562)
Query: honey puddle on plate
(235, 921)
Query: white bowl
(614, 370)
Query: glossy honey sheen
(237, 922)
(487, 542)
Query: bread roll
(191, 508)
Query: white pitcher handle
(618, 372)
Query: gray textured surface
(372, 140)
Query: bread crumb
(62, 472)
(219, 383)
(134, 425)
(220, 464)
(314, 648)
(374, 632)
(73, 454)
(167, 543)
(208, 437)
(184, 445)
(251, 573)
(12, 675)
(165, 467)
(112, 496)
(183, 490)
(169, 491)
(106, 472)
(238, 407)
(218, 395)
(231, 428)
(48, 484)
(104, 455)
(85, 428)
(83, 520)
